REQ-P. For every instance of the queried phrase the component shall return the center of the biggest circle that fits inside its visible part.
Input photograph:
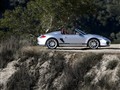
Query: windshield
(80, 32)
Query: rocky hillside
(53, 70)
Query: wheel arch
(52, 38)
(93, 38)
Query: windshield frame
(80, 31)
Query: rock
(48, 70)
(7, 73)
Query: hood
(93, 35)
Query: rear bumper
(41, 41)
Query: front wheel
(51, 43)
(93, 43)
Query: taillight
(43, 36)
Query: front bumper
(104, 43)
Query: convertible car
(75, 38)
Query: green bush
(115, 37)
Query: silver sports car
(75, 38)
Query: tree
(18, 2)
(115, 37)
(41, 15)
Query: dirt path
(113, 48)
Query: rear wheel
(51, 43)
(93, 43)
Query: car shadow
(104, 48)
(73, 49)
(110, 48)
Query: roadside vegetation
(10, 48)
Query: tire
(52, 43)
(93, 43)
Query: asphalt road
(113, 48)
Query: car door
(73, 39)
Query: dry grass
(76, 72)
(30, 51)
(105, 74)
(9, 49)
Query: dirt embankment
(54, 70)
